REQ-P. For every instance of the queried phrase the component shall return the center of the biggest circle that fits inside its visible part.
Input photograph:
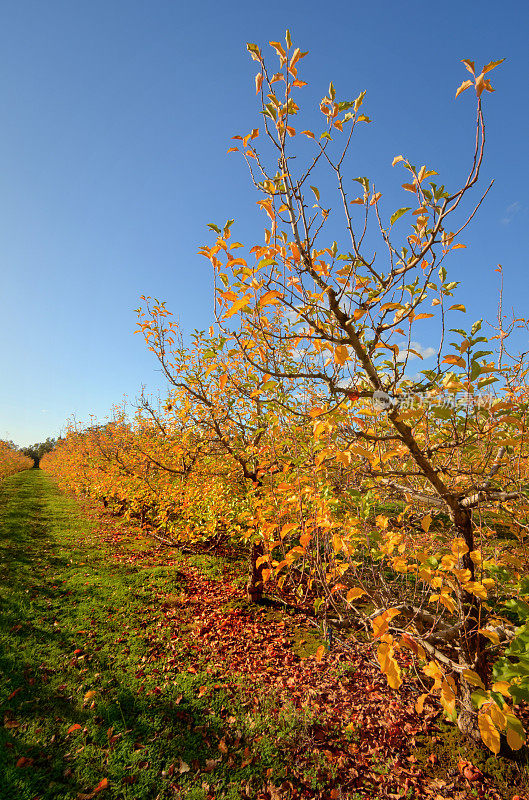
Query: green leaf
(214, 227)
(317, 604)
(398, 214)
(479, 697)
(515, 732)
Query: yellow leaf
(304, 539)
(289, 526)
(477, 589)
(489, 732)
(462, 575)
(492, 65)
(396, 160)
(388, 665)
(464, 86)
(515, 732)
(270, 298)
(448, 602)
(419, 705)
(354, 594)
(497, 716)
(502, 687)
(432, 670)
(238, 305)
(258, 82)
(426, 522)
(410, 187)
(473, 678)
(341, 354)
(457, 307)
(492, 635)
(278, 47)
(381, 623)
(448, 699)
(459, 547)
(344, 457)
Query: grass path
(127, 671)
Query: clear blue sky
(115, 120)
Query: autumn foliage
(397, 504)
(12, 460)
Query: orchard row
(395, 502)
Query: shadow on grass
(79, 701)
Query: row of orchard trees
(294, 425)
(12, 460)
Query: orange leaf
(258, 82)
(492, 65)
(454, 360)
(74, 727)
(238, 305)
(319, 652)
(270, 298)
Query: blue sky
(115, 120)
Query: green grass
(73, 620)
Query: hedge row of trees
(12, 460)
(397, 503)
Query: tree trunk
(471, 608)
(472, 656)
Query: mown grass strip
(83, 708)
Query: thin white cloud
(414, 348)
(510, 212)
